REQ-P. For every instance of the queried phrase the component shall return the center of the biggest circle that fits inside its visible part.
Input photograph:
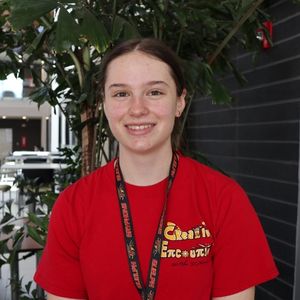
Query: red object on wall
(261, 35)
(23, 141)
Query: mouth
(140, 128)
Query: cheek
(113, 112)
(164, 109)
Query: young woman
(152, 224)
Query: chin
(141, 149)
(145, 148)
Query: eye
(155, 93)
(120, 94)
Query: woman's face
(141, 102)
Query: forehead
(135, 67)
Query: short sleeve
(241, 256)
(59, 270)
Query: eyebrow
(153, 82)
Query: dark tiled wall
(256, 139)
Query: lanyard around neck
(147, 292)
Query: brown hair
(159, 50)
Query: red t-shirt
(213, 242)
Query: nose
(138, 106)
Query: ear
(180, 103)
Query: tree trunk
(87, 135)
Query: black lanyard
(147, 292)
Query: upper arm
(247, 294)
(53, 297)
(59, 270)
(241, 255)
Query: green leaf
(95, 31)
(26, 298)
(49, 199)
(246, 3)
(36, 42)
(7, 67)
(18, 239)
(6, 218)
(41, 95)
(2, 262)
(38, 221)
(130, 31)
(181, 16)
(3, 246)
(67, 31)
(219, 93)
(35, 235)
(25, 12)
(206, 78)
(7, 229)
(8, 205)
(238, 75)
(28, 286)
(120, 26)
(34, 294)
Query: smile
(139, 127)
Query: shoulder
(74, 204)
(79, 195)
(220, 192)
(87, 184)
(198, 171)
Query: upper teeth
(138, 127)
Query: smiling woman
(156, 51)
(140, 103)
(152, 224)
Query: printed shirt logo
(172, 232)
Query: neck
(145, 169)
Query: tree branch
(234, 30)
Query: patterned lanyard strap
(147, 292)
